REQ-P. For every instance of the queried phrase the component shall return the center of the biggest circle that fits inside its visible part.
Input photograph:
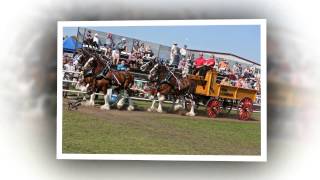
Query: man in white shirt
(183, 52)
(174, 54)
(96, 40)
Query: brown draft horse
(168, 83)
(121, 80)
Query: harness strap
(116, 79)
(178, 81)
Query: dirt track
(143, 114)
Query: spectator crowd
(181, 60)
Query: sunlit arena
(126, 94)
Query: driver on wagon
(210, 62)
(199, 62)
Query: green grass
(153, 133)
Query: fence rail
(134, 98)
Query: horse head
(158, 72)
(89, 64)
(84, 56)
(149, 65)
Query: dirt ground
(140, 112)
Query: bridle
(148, 64)
(156, 73)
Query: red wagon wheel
(213, 108)
(245, 108)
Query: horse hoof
(177, 107)
(159, 111)
(130, 108)
(119, 106)
(105, 107)
(150, 110)
(190, 114)
(91, 103)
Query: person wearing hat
(183, 52)
(199, 62)
(223, 66)
(96, 40)
(210, 62)
(241, 83)
(88, 38)
(108, 46)
(174, 54)
(109, 41)
(183, 59)
(120, 46)
(88, 35)
(122, 66)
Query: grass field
(91, 130)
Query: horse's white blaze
(87, 63)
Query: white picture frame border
(153, 157)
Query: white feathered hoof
(177, 107)
(105, 107)
(130, 108)
(159, 111)
(150, 109)
(119, 106)
(190, 114)
(91, 103)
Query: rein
(166, 80)
(178, 81)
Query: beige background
(27, 108)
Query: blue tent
(69, 45)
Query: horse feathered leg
(177, 105)
(120, 103)
(106, 105)
(91, 101)
(193, 104)
(173, 104)
(160, 99)
(130, 107)
(150, 109)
